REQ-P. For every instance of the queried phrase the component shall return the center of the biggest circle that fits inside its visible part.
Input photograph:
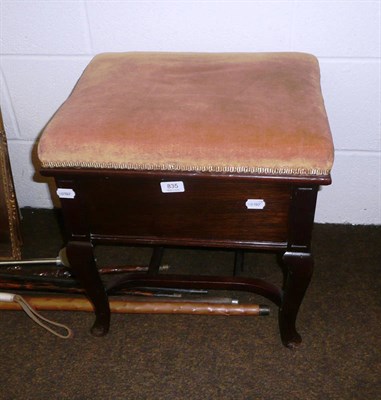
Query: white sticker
(172, 187)
(65, 193)
(255, 204)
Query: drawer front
(186, 208)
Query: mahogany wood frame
(119, 206)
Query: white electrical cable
(34, 315)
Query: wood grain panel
(208, 209)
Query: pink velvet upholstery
(254, 113)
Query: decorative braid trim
(188, 168)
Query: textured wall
(46, 44)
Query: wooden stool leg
(239, 257)
(82, 262)
(299, 267)
(154, 265)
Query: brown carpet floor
(204, 357)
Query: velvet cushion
(233, 112)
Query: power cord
(35, 316)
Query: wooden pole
(141, 307)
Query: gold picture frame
(10, 235)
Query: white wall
(46, 44)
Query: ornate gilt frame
(10, 236)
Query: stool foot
(298, 268)
(82, 262)
(100, 328)
(291, 340)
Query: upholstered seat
(186, 149)
(248, 113)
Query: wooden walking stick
(142, 307)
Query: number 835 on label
(172, 187)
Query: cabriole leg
(82, 262)
(299, 268)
